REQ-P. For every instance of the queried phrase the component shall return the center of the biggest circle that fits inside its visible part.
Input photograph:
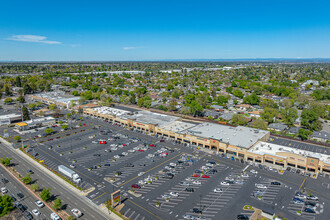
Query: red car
(141, 150)
(205, 176)
(136, 186)
(54, 126)
(84, 124)
(195, 175)
(152, 145)
(124, 145)
(102, 142)
(115, 123)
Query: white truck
(70, 173)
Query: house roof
(277, 126)
(321, 134)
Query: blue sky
(154, 30)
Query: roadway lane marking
(302, 183)
(150, 170)
(145, 210)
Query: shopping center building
(243, 143)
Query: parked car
(35, 212)
(261, 186)
(298, 201)
(224, 183)
(312, 197)
(243, 217)
(188, 217)
(76, 212)
(28, 215)
(20, 195)
(135, 186)
(196, 210)
(54, 216)
(39, 203)
(309, 210)
(275, 183)
(205, 176)
(4, 190)
(217, 190)
(189, 190)
(175, 194)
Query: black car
(189, 190)
(198, 171)
(196, 210)
(20, 195)
(309, 210)
(96, 155)
(20, 206)
(4, 180)
(129, 165)
(30, 171)
(107, 165)
(275, 183)
(212, 171)
(242, 217)
(13, 198)
(310, 203)
(27, 215)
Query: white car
(72, 166)
(95, 142)
(189, 179)
(131, 150)
(224, 183)
(230, 178)
(124, 153)
(35, 212)
(141, 173)
(261, 186)
(151, 155)
(254, 171)
(197, 182)
(54, 216)
(210, 164)
(114, 149)
(4, 190)
(117, 156)
(174, 194)
(217, 190)
(188, 217)
(76, 212)
(141, 182)
(91, 137)
(39, 203)
(165, 196)
(173, 164)
(245, 175)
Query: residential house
(255, 114)
(211, 113)
(277, 127)
(321, 136)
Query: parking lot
(300, 145)
(167, 179)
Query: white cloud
(131, 48)
(75, 45)
(33, 38)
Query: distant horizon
(318, 59)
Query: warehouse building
(10, 118)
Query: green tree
(18, 81)
(239, 119)
(52, 107)
(75, 93)
(32, 106)
(25, 112)
(269, 114)
(57, 204)
(132, 99)
(195, 108)
(27, 179)
(259, 123)
(71, 218)
(27, 89)
(6, 204)
(17, 138)
(49, 131)
(35, 187)
(309, 119)
(304, 134)
(238, 93)
(229, 89)
(88, 95)
(45, 194)
(7, 90)
(20, 99)
(289, 115)
(172, 105)
(6, 161)
(65, 127)
(252, 99)
(222, 100)
(268, 103)
(8, 100)
(287, 103)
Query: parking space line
(150, 169)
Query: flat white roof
(237, 136)
(272, 149)
(111, 111)
(147, 117)
(9, 116)
(178, 126)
